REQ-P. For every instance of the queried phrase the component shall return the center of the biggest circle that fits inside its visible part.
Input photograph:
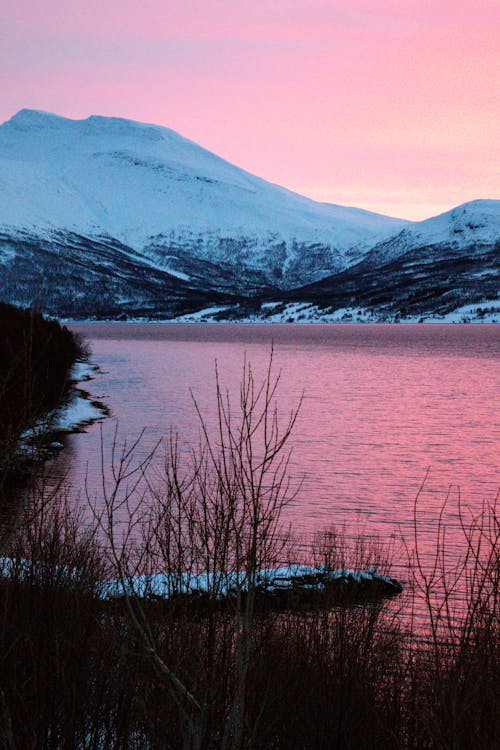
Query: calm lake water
(383, 405)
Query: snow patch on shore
(78, 412)
(223, 584)
(82, 371)
(217, 586)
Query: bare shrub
(219, 514)
(455, 667)
(119, 636)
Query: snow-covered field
(306, 312)
(483, 312)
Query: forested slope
(36, 355)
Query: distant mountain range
(110, 218)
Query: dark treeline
(35, 356)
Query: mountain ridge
(165, 225)
(137, 182)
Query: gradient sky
(391, 105)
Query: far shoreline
(273, 323)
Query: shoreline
(272, 323)
(78, 411)
(298, 316)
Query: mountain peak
(27, 119)
(135, 181)
(34, 118)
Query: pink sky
(391, 106)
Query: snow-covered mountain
(169, 200)
(429, 270)
(107, 217)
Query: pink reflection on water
(383, 405)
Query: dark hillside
(427, 280)
(35, 357)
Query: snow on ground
(178, 274)
(224, 583)
(207, 315)
(306, 312)
(468, 226)
(7, 254)
(476, 220)
(79, 411)
(82, 371)
(478, 312)
(218, 585)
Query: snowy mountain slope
(151, 189)
(470, 225)
(71, 276)
(431, 269)
(113, 218)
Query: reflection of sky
(386, 105)
(381, 405)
